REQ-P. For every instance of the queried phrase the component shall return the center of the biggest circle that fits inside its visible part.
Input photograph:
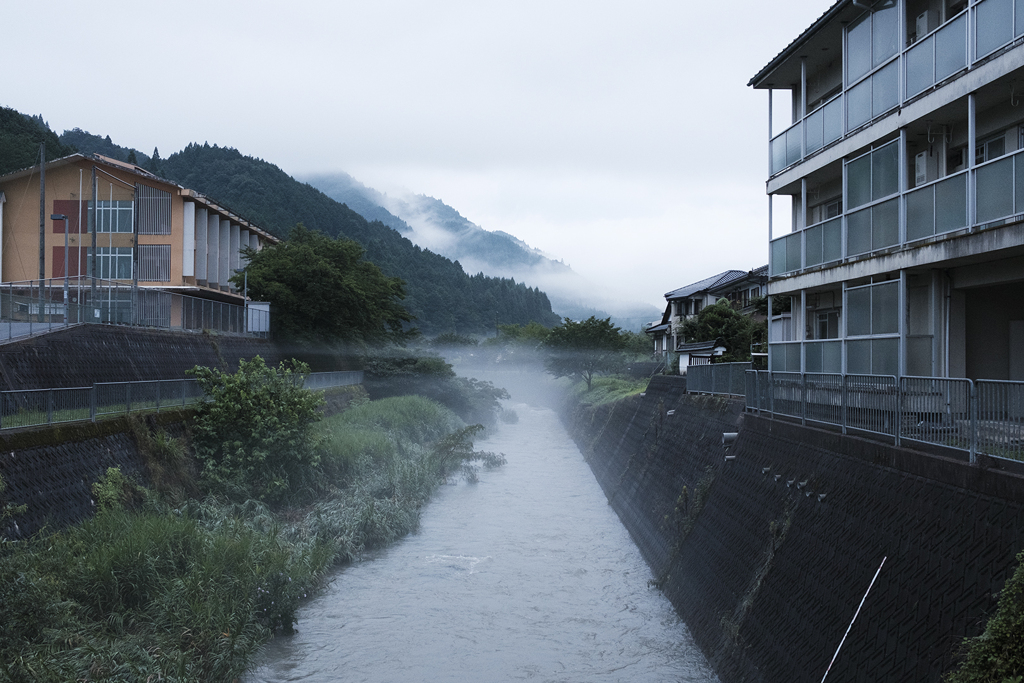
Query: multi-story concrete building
(139, 230)
(904, 166)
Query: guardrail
(34, 307)
(976, 416)
(726, 379)
(38, 407)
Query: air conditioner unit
(924, 23)
(920, 168)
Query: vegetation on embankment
(997, 655)
(160, 585)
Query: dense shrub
(253, 436)
(997, 655)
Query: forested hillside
(442, 296)
(20, 136)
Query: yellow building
(156, 246)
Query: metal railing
(976, 416)
(33, 307)
(38, 407)
(726, 379)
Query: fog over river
(526, 575)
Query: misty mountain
(434, 225)
(442, 296)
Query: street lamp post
(62, 217)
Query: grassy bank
(158, 586)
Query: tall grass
(607, 389)
(189, 593)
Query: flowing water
(526, 575)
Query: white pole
(853, 620)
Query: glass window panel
(812, 357)
(814, 131)
(1018, 182)
(832, 241)
(919, 60)
(858, 181)
(858, 357)
(921, 213)
(994, 25)
(885, 171)
(884, 40)
(793, 145)
(779, 256)
(779, 153)
(885, 224)
(858, 103)
(951, 48)
(812, 246)
(885, 308)
(995, 190)
(833, 119)
(832, 357)
(858, 232)
(858, 307)
(951, 204)
(778, 359)
(793, 357)
(885, 356)
(885, 89)
(858, 49)
(793, 252)
(1018, 18)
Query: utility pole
(42, 224)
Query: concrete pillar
(202, 245)
(213, 250)
(234, 259)
(254, 241)
(243, 242)
(188, 240)
(224, 254)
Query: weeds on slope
(175, 589)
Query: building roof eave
(758, 79)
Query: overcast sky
(618, 136)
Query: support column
(213, 251)
(234, 259)
(224, 254)
(972, 178)
(202, 245)
(254, 241)
(188, 240)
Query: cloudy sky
(617, 136)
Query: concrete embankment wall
(85, 354)
(767, 556)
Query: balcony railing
(939, 207)
(978, 417)
(32, 307)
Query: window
(826, 325)
(990, 148)
(155, 262)
(113, 216)
(154, 210)
(113, 263)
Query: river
(525, 575)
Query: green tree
(322, 290)
(583, 349)
(721, 320)
(253, 437)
